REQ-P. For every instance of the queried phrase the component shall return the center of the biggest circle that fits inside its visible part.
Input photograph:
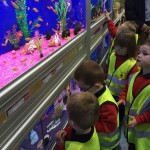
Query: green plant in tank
(61, 8)
(21, 16)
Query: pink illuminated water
(12, 67)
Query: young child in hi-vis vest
(82, 111)
(136, 95)
(122, 63)
(90, 77)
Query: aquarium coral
(61, 8)
(21, 16)
(13, 36)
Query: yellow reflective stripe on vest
(110, 140)
(139, 135)
(136, 38)
(116, 79)
(92, 144)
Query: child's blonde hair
(83, 109)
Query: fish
(36, 0)
(52, 0)
(51, 8)
(14, 4)
(28, 39)
(20, 17)
(28, 8)
(46, 23)
(15, 69)
(40, 19)
(3, 44)
(35, 10)
(5, 3)
(30, 22)
(18, 34)
(37, 25)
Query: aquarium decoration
(55, 41)
(77, 29)
(33, 137)
(48, 35)
(13, 36)
(61, 8)
(66, 34)
(21, 16)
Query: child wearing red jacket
(136, 95)
(90, 77)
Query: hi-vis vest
(111, 140)
(116, 79)
(139, 135)
(92, 144)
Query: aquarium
(31, 30)
(42, 136)
(98, 7)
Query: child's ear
(97, 85)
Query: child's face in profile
(84, 88)
(122, 51)
(143, 58)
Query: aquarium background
(32, 10)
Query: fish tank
(42, 136)
(98, 7)
(99, 55)
(36, 30)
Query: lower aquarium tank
(42, 136)
(32, 30)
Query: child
(82, 111)
(122, 63)
(136, 95)
(90, 77)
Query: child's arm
(123, 95)
(111, 26)
(107, 122)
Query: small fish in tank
(4, 2)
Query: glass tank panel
(42, 136)
(32, 30)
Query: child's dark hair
(89, 72)
(83, 109)
(127, 39)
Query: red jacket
(107, 122)
(140, 81)
(112, 29)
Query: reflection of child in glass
(136, 95)
(82, 111)
(90, 77)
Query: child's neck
(146, 71)
(81, 131)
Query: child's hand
(107, 15)
(145, 28)
(60, 137)
(132, 123)
(121, 102)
